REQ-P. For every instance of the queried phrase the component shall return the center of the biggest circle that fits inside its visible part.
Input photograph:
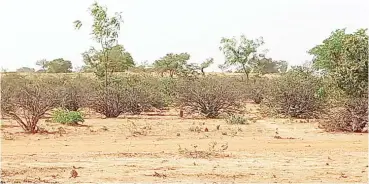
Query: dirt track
(112, 154)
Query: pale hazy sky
(42, 29)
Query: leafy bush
(67, 117)
(297, 93)
(352, 117)
(26, 98)
(168, 88)
(236, 119)
(209, 95)
(344, 57)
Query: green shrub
(67, 117)
(297, 93)
(168, 88)
(236, 119)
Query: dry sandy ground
(159, 149)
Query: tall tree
(119, 61)
(42, 64)
(172, 63)
(240, 52)
(105, 31)
(206, 64)
(344, 56)
(59, 66)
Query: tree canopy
(172, 63)
(58, 65)
(240, 52)
(344, 57)
(268, 65)
(105, 31)
(25, 69)
(119, 60)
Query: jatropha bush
(26, 98)
(106, 100)
(75, 90)
(297, 93)
(351, 117)
(125, 94)
(209, 96)
(258, 86)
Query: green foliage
(206, 64)
(59, 66)
(295, 94)
(42, 64)
(345, 58)
(172, 63)
(105, 31)
(25, 69)
(168, 88)
(240, 52)
(267, 65)
(236, 119)
(119, 61)
(55, 66)
(67, 117)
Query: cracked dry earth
(159, 149)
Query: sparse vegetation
(234, 119)
(214, 150)
(118, 111)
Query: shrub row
(298, 93)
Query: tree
(223, 67)
(172, 63)
(43, 64)
(25, 69)
(344, 57)
(240, 52)
(120, 61)
(265, 65)
(206, 64)
(105, 31)
(59, 66)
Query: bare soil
(165, 148)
